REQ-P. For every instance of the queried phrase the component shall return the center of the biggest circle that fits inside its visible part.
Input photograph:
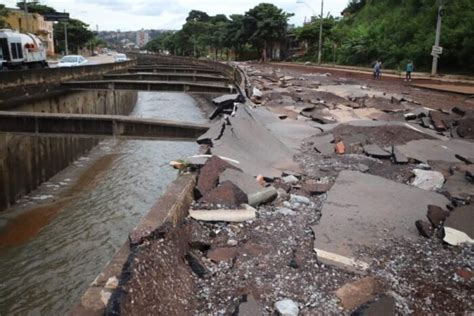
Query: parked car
(72, 61)
(120, 57)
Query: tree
(265, 24)
(197, 16)
(3, 15)
(78, 35)
(35, 7)
(235, 34)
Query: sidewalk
(388, 72)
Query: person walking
(409, 70)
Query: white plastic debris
(456, 237)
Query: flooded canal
(50, 260)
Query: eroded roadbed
(325, 195)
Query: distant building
(32, 23)
(143, 37)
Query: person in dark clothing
(377, 69)
(409, 70)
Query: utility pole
(25, 6)
(65, 39)
(320, 34)
(436, 49)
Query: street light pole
(320, 34)
(434, 67)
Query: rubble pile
(330, 195)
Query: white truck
(21, 50)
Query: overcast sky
(161, 14)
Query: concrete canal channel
(56, 236)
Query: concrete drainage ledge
(168, 211)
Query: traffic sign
(437, 50)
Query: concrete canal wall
(28, 161)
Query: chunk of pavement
(466, 128)
(424, 228)
(323, 144)
(428, 180)
(436, 215)
(431, 149)
(209, 174)
(321, 118)
(241, 215)
(250, 307)
(263, 196)
(285, 211)
(398, 157)
(358, 292)
(426, 122)
(469, 170)
(227, 194)
(362, 167)
(244, 181)
(440, 120)
(299, 199)
(222, 253)
(290, 179)
(383, 305)
(459, 187)
(256, 92)
(196, 264)
(462, 218)
(315, 188)
(287, 307)
(357, 209)
(228, 99)
(377, 152)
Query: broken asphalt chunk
(398, 157)
(227, 194)
(359, 204)
(424, 228)
(196, 264)
(436, 215)
(376, 152)
(209, 174)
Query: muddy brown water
(52, 252)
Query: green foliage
(35, 7)
(265, 24)
(78, 35)
(204, 35)
(399, 30)
(3, 15)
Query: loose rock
(358, 292)
(287, 307)
(428, 180)
(425, 229)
